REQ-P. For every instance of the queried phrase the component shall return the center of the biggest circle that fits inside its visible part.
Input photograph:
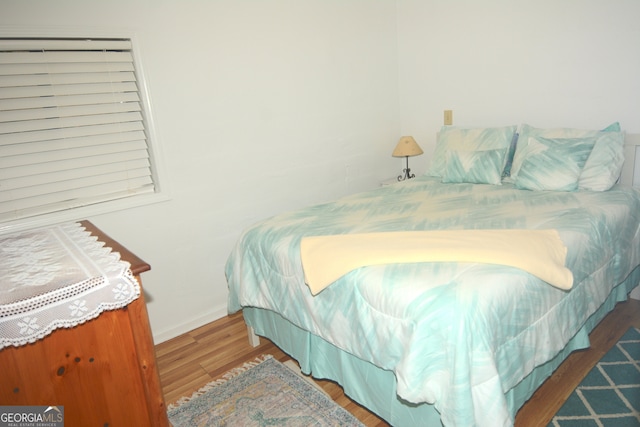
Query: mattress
(454, 335)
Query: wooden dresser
(103, 372)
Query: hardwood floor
(190, 361)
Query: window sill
(84, 212)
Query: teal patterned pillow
(526, 131)
(468, 139)
(509, 160)
(477, 167)
(613, 127)
(604, 165)
(553, 164)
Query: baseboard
(190, 325)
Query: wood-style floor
(189, 361)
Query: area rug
(260, 393)
(609, 396)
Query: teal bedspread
(455, 335)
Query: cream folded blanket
(540, 252)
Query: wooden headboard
(631, 169)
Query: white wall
(259, 107)
(264, 106)
(548, 63)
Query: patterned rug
(261, 393)
(609, 396)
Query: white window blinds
(72, 128)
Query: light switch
(448, 117)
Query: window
(73, 129)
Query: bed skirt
(375, 388)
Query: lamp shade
(407, 147)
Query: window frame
(158, 174)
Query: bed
(446, 341)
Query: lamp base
(407, 175)
(407, 172)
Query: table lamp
(407, 147)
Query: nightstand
(389, 181)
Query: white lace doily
(58, 277)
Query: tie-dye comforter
(456, 335)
